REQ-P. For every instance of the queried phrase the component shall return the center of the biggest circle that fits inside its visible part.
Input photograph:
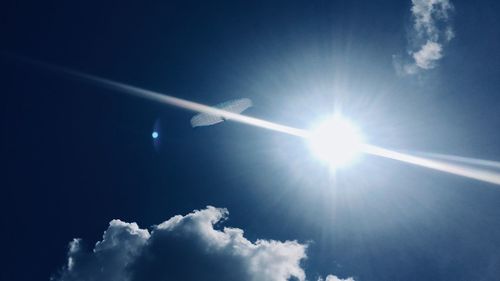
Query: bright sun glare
(336, 141)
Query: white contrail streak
(451, 168)
(439, 165)
(465, 160)
(189, 105)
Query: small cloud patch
(431, 31)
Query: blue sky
(80, 160)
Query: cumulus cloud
(184, 248)
(335, 278)
(120, 246)
(430, 33)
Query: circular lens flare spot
(336, 141)
(154, 135)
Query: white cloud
(428, 54)
(335, 278)
(431, 31)
(427, 13)
(121, 244)
(184, 248)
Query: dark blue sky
(77, 155)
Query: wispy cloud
(428, 54)
(184, 248)
(430, 32)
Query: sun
(336, 141)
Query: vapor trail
(451, 168)
(177, 102)
(476, 173)
(465, 160)
(197, 107)
(443, 166)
